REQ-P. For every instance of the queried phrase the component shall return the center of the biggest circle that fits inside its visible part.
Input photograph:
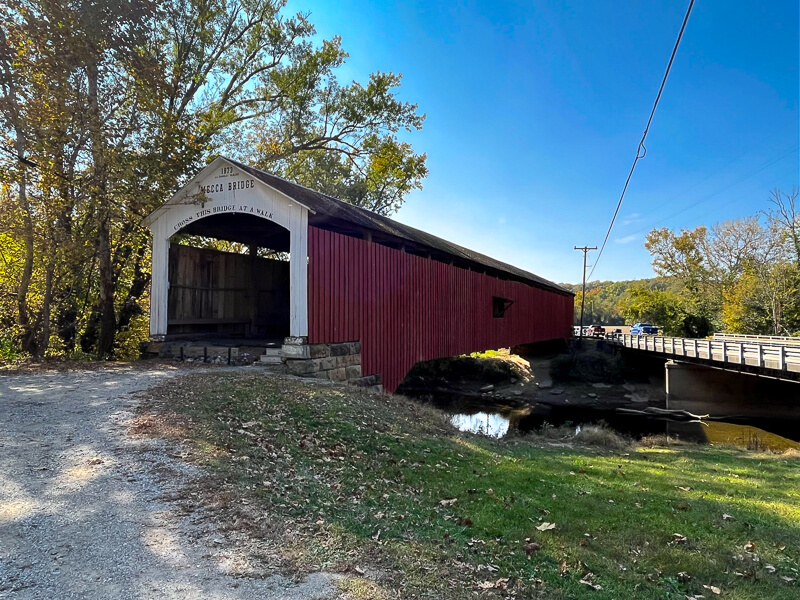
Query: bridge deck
(770, 357)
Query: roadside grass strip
(384, 490)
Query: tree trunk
(46, 304)
(27, 329)
(108, 319)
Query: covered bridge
(361, 296)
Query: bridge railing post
(760, 362)
(683, 346)
(724, 351)
(695, 347)
(781, 358)
(741, 353)
(708, 349)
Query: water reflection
(744, 436)
(489, 424)
(496, 421)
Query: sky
(535, 110)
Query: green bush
(9, 350)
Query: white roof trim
(183, 193)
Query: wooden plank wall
(405, 308)
(213, 291)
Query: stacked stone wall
(337, 362)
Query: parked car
(644, 329)
(596, 331)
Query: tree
(785, 217)
(739, 274)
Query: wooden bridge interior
(215, 294)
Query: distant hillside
(603, 298)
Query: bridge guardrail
(767, 356)
(775, 339)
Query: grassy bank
(387, 492)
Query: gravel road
(84, 506)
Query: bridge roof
(333, 214)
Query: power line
(719, 191)
(641, 151)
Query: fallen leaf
(685, 489)
(531, 548)
(448, 502)
(684, 577)
(727, 517)
(546, 526)
(563, 569)
(787, 579)
(486, 585)
(678, 538)
(588, 580)
(749, 547)
(713, 588)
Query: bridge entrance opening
(229, 278)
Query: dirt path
(84, 506)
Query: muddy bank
(505, 380)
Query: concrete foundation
(702, 390)
(337, 362)
(208, 352)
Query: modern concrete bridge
(743, 376)
(776, 357)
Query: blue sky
(534, 111)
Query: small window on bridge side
(500, 306)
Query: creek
(484, 416)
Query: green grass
(382, 483)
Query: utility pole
(585, 250)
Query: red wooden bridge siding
(405, 308)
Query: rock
(592, 395)
(600, 386)
(629, 387)
(517, 393)
(557, 392)
(486, 388)
(545, 384)
(514, 380)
